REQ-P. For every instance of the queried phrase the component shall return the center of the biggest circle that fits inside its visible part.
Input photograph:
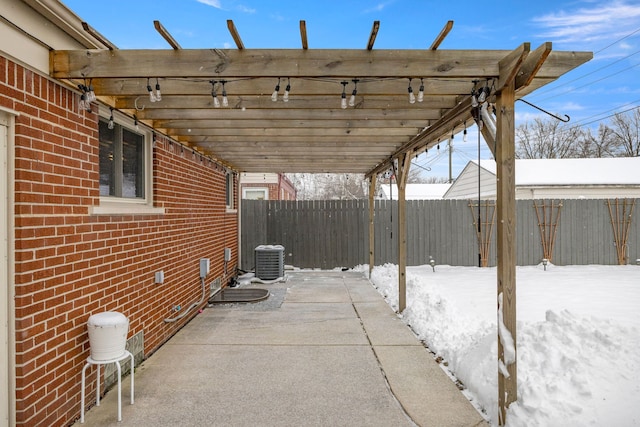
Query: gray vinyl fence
(335, 233)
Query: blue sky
(611, 29)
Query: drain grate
(228, 295)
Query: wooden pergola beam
(319, 102)
(403, 162)
(284, 114)
(443, 33)
(274, 63)
(532, 65)
(510, 65)
(234, 33)
(373, 35)
(287, 125)
(291, 131)
(453, 119)
(165, 35)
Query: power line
(609, 116)
(586, 75)
(617, 41)
(592, 72)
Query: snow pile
(578, 344)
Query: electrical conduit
(191, 307)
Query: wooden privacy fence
(334, 233)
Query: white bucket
(107, 335)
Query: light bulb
(111, 124)
(482, 96)
(421, 92)
(352, 99)
(158, 94)
(274, 95)
(285, 97)
(84, 104)
(343, 101)
(216, 101)
(91, 95)
(412, 97)
(464, 135)
(225, 100)
(152, 97)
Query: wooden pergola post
(506, 249)
(372, 212)
(402, 173)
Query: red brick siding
(70, 264)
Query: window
(229, 189)
(255, 193)
(122, 165)
(125, 168)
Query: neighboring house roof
(571, 178)
(414, 191)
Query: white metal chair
(115, 360)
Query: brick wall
(70, 264)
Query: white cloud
(213, 3)
(245, 9)
(379, 7)
(600, 23)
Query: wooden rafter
(445, 31)
(532, 65)
(303, 34)
(234, 33)
(373, 35)
(165, 35)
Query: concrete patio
(324, 349)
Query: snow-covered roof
(601, 171)
(415, 191)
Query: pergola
(320, 127)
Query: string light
(287, 89)
(84, 104)
(111, 124)
(464, 133)
(225, 100)
(343, 100)
(421, 91)
(87, 96)
(352, 99)
(152, 96)
(474, 94)
(274, 95)
(91, 95)
(158, 93)
(214, 94)
(135, 122)
(412, 97)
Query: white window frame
(256, 189)
(229, 186)
(110, 205)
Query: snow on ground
(578, 338)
